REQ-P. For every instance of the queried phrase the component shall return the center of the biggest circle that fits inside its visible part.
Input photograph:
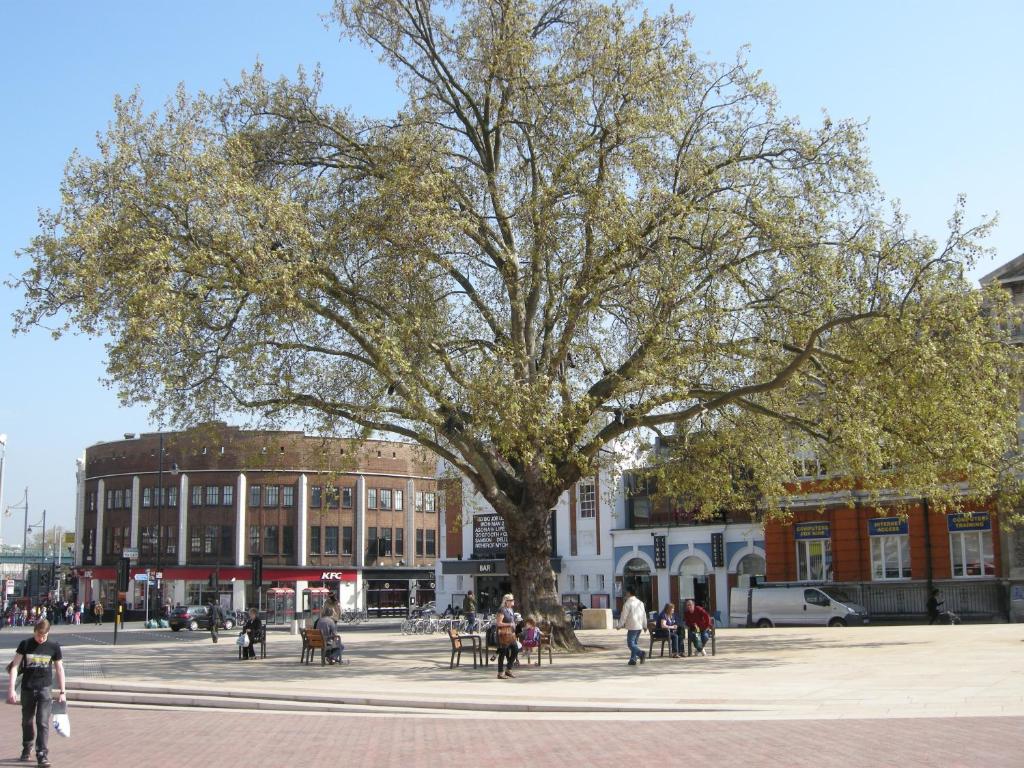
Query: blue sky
(938, 82)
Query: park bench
(459, 644)
(545, 642)
(259, 640)
(313, 640)
(657, 636)
(711, 641)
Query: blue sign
(887, 526)
(969, 521)
(819, 529)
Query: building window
(346, 498)
(226, 538)
(227, 495)
(270, 496)
(399, 542)
(346, 540)
(431, 542)
(372, 543)
(92, 501)
(971, 554)
(254, 539)
(172, 496)
(270, 540)
(419, 501)
(287, 495)
(429, 502)
(332, 496)
(197, 495)
(385, 542)
(586, 582)
(331, 540)
(315, 496)
(254, 495)
(600, 581)
(814, 560)
(588, 506)
(210, 540)
(572, 582)
(147, 497)
(288, 540)
(118, 498)
(371, 498)
(314, 540)
(385, 498)
(399, 500)
(890, 557)
(212, 495)
(419, 542)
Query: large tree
(574, 230)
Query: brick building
(360, 518)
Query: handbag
(506, 635)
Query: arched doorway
(636, 575)
(694, 584)
(749, 566)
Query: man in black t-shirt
(36, 658)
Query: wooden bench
(312, 640)
(459, 644)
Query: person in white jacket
(633, 618)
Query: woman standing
(253, 627)
(507, 649)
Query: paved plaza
(895, 695)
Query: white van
(794, 605)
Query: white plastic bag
(61, 721)
(242, 641)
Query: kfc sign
(331, 576)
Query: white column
(359, 535)
(79, 509)
(302, 521)
(101, 501)
(134, 533)
(238, 595)
(183, 537)
(410, 522)
(240, 532)
(178, 592)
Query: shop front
(393, 592)
(489, 579)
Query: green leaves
(572, 215)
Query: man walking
(36, 658)
(216, 616)
(469, 608)
(633, 619)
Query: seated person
(332, 640)
(530, 635)
(668, 627)
(699, 624)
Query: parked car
(193, 617)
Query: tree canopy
(574, 230)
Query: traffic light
(123, 568)
(257, 570)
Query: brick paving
(156, 738)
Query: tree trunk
(533, 580)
